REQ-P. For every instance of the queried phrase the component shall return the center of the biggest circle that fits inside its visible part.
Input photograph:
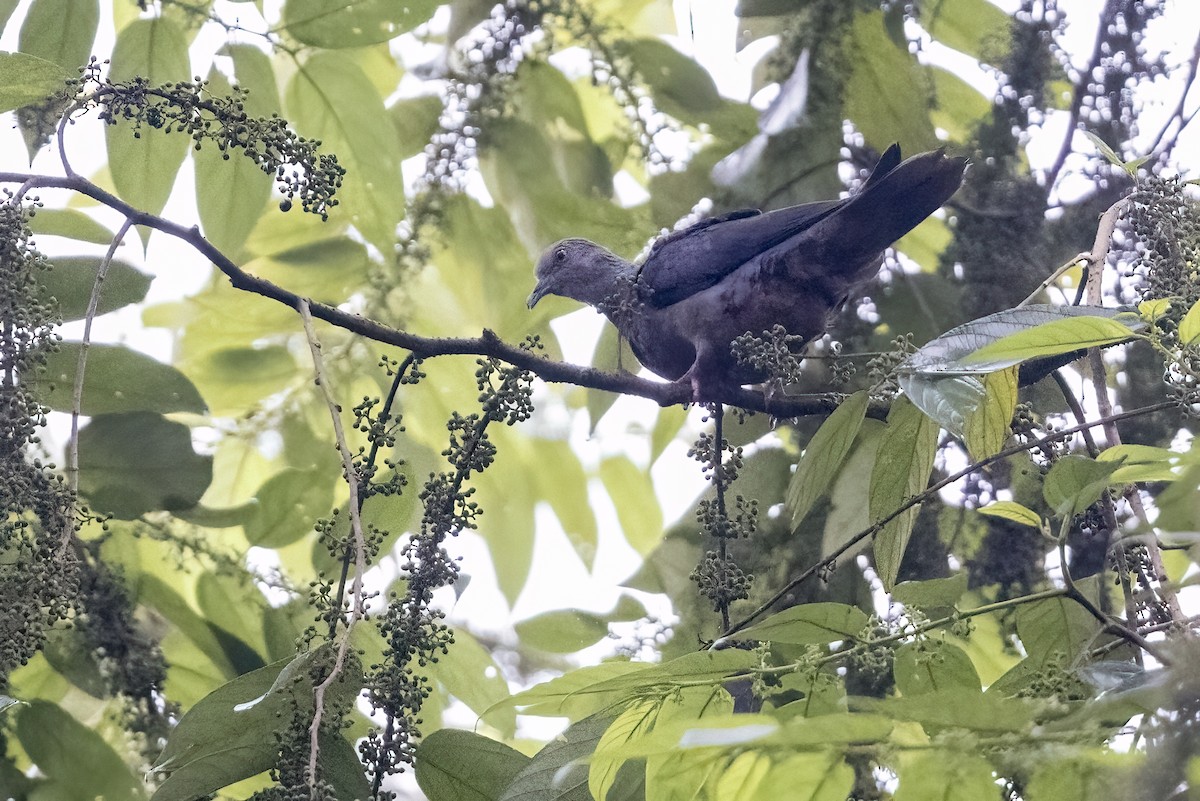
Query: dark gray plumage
(702, 287)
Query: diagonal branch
(487, 344)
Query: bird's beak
(540, 291)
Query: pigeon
(702, 287)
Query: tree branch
(487, 344)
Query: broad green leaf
(956, 707)
(560, 479)
(116, 379)
(975, 27)
(902, 467)
(289, 504)
(740, 779)
(1055, 627)
(72, 279)
(578, 692)
(1088, 774)
(229, 735)
(810, 624)
(1076, 482)
(637, 506)
(948, 775)
(469, 673)
(252, 71)
(139, 462)
(667, 425)
(988, 427)
(353, 23)
(328, 270)
(1011, 510)
(562, 631)
(416, 120)
(1052, 339)
(959, 106)
(71, 224)
(931, 593)
(1189, 326)
(1141, 463)
(26, 79)
(817, 776)
(464, 766)
(143, 163)
(633, 723)
(933, 665)
(331, 99)
(848, 515)
(823, 456)
(235, 378)
(77, 763)
(560, 771)
(679, 86)
(61, 31)
(885, 95)
(1152, 310)
(231, 190)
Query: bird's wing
(696, 258)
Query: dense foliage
(943, 557)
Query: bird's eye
(561, 254)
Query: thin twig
(81, 364)
(357, 609)
(920, 498)
(1081, 86)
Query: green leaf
(975, 27)
(886, 96)
(289, 503)
(1052, 339)
(931, 593)
(252, 71)
(71, 224)
(960, 106)
(26, 79)
(902, 467)
(139, 462)
(1055, 628)
(78, 765)
(1011, 510)
(562, 631)
(327, 270)
(416, 120)
(949, 775)
(1109, 154)
(932, 665)
(454, 765)
(469, 673)
(667, 425)
(679, 86)
(229, 735)
(143, 167)
(331, 99)
(560, 770)
(72, 278)
(823, 456)
(231, 190)
(234, 378)
(1189, 326)
(116, 379)
(353, 23)
(957, 707)
(818, 776)
(988, 426)
(810, 624)
(61, 31)
(1076, 482)
(637, 506)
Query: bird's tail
(893, 201)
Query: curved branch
(487, 344)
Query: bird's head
(578, 269)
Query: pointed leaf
(143, 163)
(73, 278)
(1051, 339)
(61, 31)
(1189, 326)
(71, 224)
(902, 468)
(1075, 482)
(116, 379)
(810, 624)
(26, 79)
(1011, 510)
(465, 766)
(823, 456)
(988, 426)
(353, 23)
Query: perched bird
(704, 286)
